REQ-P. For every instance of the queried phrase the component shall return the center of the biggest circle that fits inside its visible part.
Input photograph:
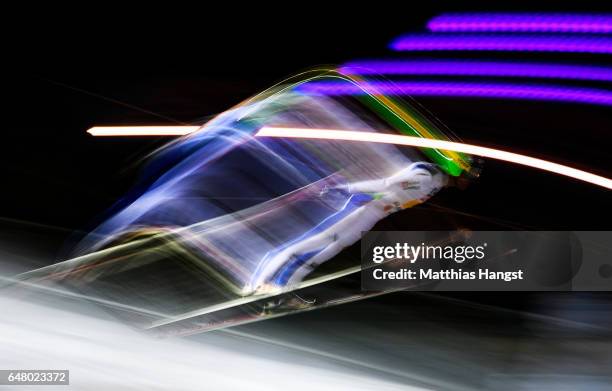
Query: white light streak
(333, 134)
(122, 131)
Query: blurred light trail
(332, 134)
(593, 96)
(522, 22)
(503, 42)
(111, 131)
(477, 68)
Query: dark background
(114, 65)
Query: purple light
(478, 68)
(521, 22)
(474, 89)
(501, 42)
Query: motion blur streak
(43, 335)
(501, 42)
(110, 131)
(347, 360)
(522, 22)
(478, 68)
(552, 93)
(330, 134)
